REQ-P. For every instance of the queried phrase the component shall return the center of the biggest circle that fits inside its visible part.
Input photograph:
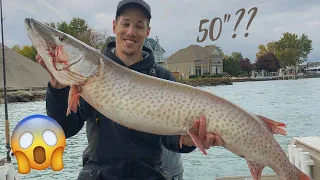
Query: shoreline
(38, 93)
(23, 95)
(198, 82)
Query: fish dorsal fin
(255, 170)
(274, 126)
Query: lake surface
(294, 102)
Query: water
(294, 102)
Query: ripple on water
(294, 102)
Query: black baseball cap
(134, 3)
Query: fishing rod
(7, 127)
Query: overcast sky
(176, 23)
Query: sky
(176, 23)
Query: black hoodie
(114, 151)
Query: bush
(193, 76)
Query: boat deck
(264, 177)
(2, 161)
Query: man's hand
(54, 83)
(207, 140)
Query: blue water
(294, 102)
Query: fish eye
(62, 37)
(49, 137)
(26, 140)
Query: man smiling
(115, 152)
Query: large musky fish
(158, 106)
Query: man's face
(131, 29)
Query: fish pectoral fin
(195, 138)
(274, 126)
(73, 100)
(255, 170)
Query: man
(115, 152)
(172, 164)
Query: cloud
(176, 23)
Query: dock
(303, 152)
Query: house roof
(152, 42)
(192, 53)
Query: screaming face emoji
(38, 142)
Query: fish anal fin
(195, 138)
(255, 170)
(274, 126)
(73, 100)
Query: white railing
(300, 159)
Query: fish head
(69, 60)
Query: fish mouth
(27, 22)
(39, 34)
(44, 37)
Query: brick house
(196, 60)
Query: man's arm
(56, 107)
(173, 142)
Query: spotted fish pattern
(158, 106)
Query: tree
(291, 50)
(245, 65)
(27, 51)
(264, 49)
(237, 56)
(79, 29)
(231, 65)
(268, 62)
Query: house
(154, 45)
(309, 68)
(196, 60)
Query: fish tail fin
(303, 176)
(274, 126)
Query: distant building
(154, 45)
(196, 60)
(309, 68)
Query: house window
(214, 70)
(198, 71)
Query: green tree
(292, 50)
(79, 29)
(237, 56)
(231, 65)
(27, 51)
